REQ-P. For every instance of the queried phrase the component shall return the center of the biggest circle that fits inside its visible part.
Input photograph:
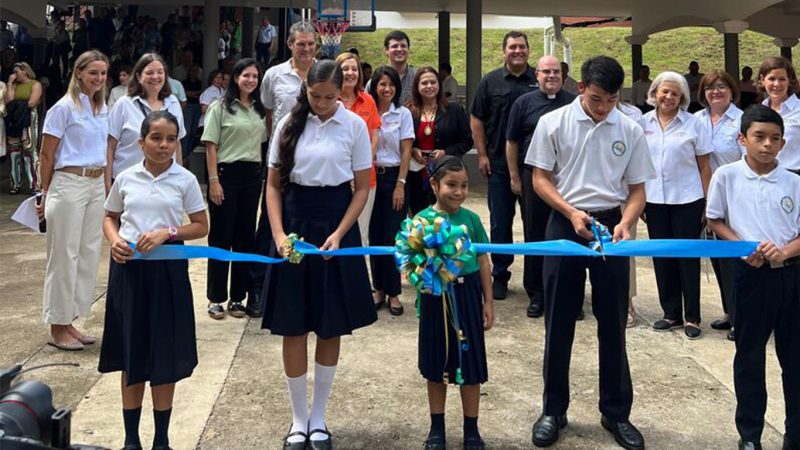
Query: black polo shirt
(496, 92)
(525, 114)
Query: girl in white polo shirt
(149, 332)
(679, 147)
(71, 165)
(148, 91)
(316, 152)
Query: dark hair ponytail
(287, 144)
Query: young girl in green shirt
(442, 354)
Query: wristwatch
(173, 233)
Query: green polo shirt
(472, 221)
(238, 136)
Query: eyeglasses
(717, 87)
(549, 71)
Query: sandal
(73, 346)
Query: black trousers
(723, 270)
(502, 208)
(677, 279)
(767, 301)
(535, 214)
(232, 227)
(564, 279)
(383, 226)
(418, 192)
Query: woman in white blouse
(316, 152)
(778, 79)
(719, 93)
(679, 148)
(72, 160)
(214, 91)
(395, 137)
(148, 91)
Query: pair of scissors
(598, 238)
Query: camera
(28, 420)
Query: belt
(380, 170)
(605, 213)
(89, 172)
(788, 263)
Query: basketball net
(330, 31)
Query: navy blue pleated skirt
(149, 330)
(439, 356)
(327, 297)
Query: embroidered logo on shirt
(618, 148)
(787, 204)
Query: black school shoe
(536, 308)
(216, 311)
(499, 289)
(435, 443)
(626, 435)
(692, 332)
(750, 445)
(295, 445)
(320, 445)
(720, 324)
(474, 443)
(546, 430)
(236, 309)
(254, 306)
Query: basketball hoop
(331, 30)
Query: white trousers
(365, 216)
(74, 213)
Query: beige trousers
(74, 213)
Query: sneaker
(216, 311)
(236, 309)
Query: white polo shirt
(279, 90)
(756, 207)
(789, 157)
(631, 111)
(125, 125)
(592, 164)
(327, 152)
(207, 97)
(82, 134)
(149, 203)
(724, 136)
(396, 125)
(674, 154)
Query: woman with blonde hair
(73, 157)
(356, 100)
(679, 147)
(23, 96)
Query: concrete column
(210, 36)
(786, 45)
(731, 31)
(248, 43)
(444, 37)
(636, 42)
(283, 53)
(474, 42)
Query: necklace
(428, 117)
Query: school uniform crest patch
(618, 148)
(787, 204)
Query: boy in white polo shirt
(755, 199)
(589, 159)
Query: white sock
(298, 393)
(323, 380)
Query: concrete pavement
(237, 397)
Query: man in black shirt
(496, 92)
(522, 121)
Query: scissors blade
(598, 238)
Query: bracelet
(214, 178)
(401, 180)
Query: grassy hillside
(670, 50)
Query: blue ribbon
(657, 248)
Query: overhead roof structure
(777, 18)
